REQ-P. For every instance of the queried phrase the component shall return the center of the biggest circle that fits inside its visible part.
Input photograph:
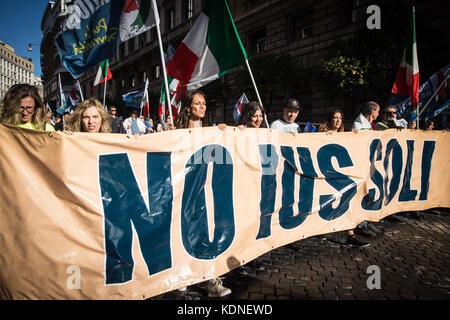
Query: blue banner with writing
(90, 34)
(133, 99)
(92, 29)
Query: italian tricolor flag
(103, 73)
(407, 79)
(145, 105)
(210, 49)
(177, 94)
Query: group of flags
(414, 101)
(210, 49)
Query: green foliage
(362, 67)
(344, 73)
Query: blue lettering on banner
(393, 151)
(307, 179)
(123, 203)
(427, 157)
(194, 219)
(342, 183)
(124, 206)
(368, 202)
(406, 194)
(286, 214)
(269, 164)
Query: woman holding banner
(335, 124)
(252, 116)
(23, 107)
(192, 115)
(193, 112)
(90, 116)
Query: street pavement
(413, 257)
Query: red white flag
(407, 79)
(103, 73)
(145, 106)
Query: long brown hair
(10, 112)
(326, 126)
(248, 110)
(74, 122)
(182, 120)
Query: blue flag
(133, 99)
(434, 110)
(92, 30)
(309, 128)
(63, 106)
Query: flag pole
(104, 92)
(417, 118)
(61, 92)
(434, 94)
(164, 71)
(257, 93)
(144, 94)
(81, 91)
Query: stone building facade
(52, 68)
(15, 69)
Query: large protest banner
(104, 216)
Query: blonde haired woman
(90, 116)
(23, 107)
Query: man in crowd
(60, 124)
(290, 113)
(116, 121)
(369, 113)
(389, 121)
(134, 125)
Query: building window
(170, 18)
(143, 76)
(131, 44)
(122, 50)
(122, 84)
(258, 42)
(156, 72)
(349, 11)
(142, 40)
(153, 34)
(188, 9)
(132, 81)
(300, 26)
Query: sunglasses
(29, 108)
(390, 112)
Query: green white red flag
(145, 104)
(103, 73)
(407, 79)
(176, 93)
(210, 49)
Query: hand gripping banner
(108, 216)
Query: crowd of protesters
(23, 107)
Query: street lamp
(32, 44)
